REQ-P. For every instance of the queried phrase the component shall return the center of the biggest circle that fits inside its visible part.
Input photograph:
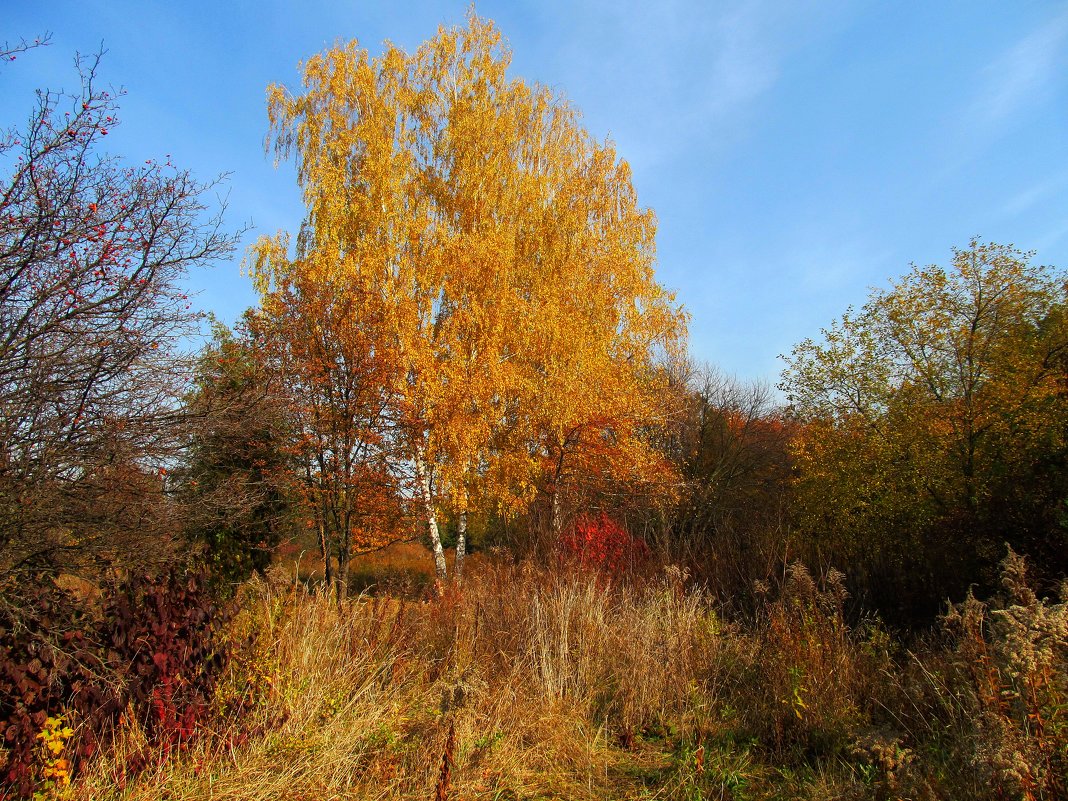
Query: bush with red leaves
(599, 542)
(152, 650)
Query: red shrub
(600, 542)
(163, 631)
(151, 648)
(48, 663)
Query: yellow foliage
(55, 773)
(498, 264)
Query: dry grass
(544, 678)
(568, 685)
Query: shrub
(48, 661)
(803, 676)
(149, 651)
(160, 634)
(600, 542)
(1012, 661)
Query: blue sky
(796, 153)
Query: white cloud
(1047, 240)
(1028, 198)
(1011, 85)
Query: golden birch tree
(493, 247)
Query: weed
(55, 766)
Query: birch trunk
(557, 511)
(557, 519)
(461, 544)
(423, 478)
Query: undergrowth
(531, 683)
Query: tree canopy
(933, 421)
(499, 266)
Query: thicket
(144, 654)
(234, 482)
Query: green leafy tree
(236, 478)
(934, 426)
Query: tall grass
(535, 683)
(545, 678)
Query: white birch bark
(557, 512)
(423, 477)
(461, 543)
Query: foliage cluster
(235, 482)
(932, 430)
(148, 656)
(599, 542)
(731, 524)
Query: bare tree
(92, 318)
(734, 450)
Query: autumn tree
(93, 254)
(597, 384)
(493, 252)
(933, 426)
(312, 335)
